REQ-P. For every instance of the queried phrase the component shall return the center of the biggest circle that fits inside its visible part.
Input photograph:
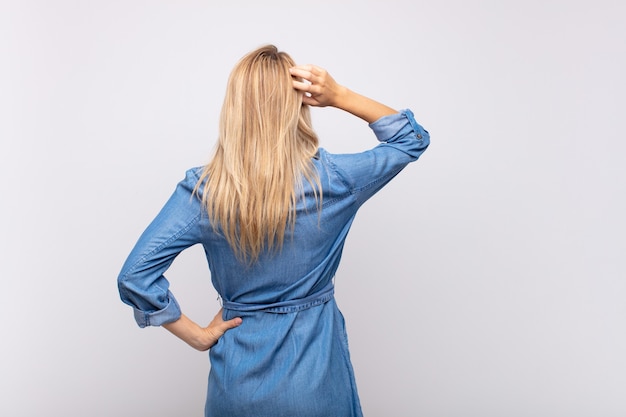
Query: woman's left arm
(142, 283)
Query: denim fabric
(290, 356)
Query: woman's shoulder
(191, 179)
(193, 175)
(195, 172)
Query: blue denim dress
(290, 355)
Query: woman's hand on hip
(202, 338)
(216, 329)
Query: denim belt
(288, 306)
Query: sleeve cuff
(387, 126)
(168, 314)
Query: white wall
(487, 280)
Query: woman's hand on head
(319, 88)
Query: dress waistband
(288, 306)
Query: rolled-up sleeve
(403, 133)
(403, 141)
(141, 282)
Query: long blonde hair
(264, 149)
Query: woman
(272, 211)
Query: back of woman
(272, 211)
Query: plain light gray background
(487, 280)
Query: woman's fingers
(230, 324)
(218, 326)
(301, 86)
(308, 72)
(319, 87)
(311, 73)
(313, 89)
(310, 92)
